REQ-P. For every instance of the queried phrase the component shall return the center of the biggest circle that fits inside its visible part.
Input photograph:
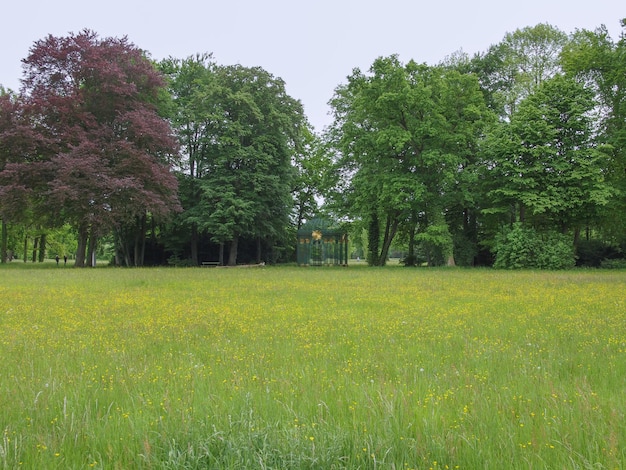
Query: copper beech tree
(99, 154)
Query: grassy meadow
(329, 368)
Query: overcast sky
(313, 46)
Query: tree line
(513, 157)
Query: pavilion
(322, 243)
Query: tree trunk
(91, 250)
(449, 252)
(25, 248)
(83, 233)
(140, 242)
(142, 252)
(300, 216)
(232, 255)
(4, 242)
(221, 255)
(258, 250)
(136, 250)
(42, 248)
(153, 236)
(121, 251)
(373, 239)
(35, 246)
(194, 245)
(126, 254)
(410, 259)
(390, 232)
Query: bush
(409, 260)
(613, 264)
(181, 263)
(524, 248)
(592, 253)
(465, 250)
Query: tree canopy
(406, 133)
(475, 160)
(240, 132)
(98, 153)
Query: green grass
(312, 368)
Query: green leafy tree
(241, 134)
(372, 143)
(312, 164)
(546, 161)
(404, 134)
(510, 70)
(194, 114)
(250, 176)
(595, 58)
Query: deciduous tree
(240, 131)
(404, 134)
(547, 161)
(511, 69)
(102, 155)
(598, 60)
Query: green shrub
(181, 263)
(592, 253)
(465, 250)
(524, 248)
(613, 264)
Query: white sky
(313, 46)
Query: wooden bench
(206, 264)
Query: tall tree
(239, 131)
(103, 150)
(247, 186)
(510, 70)
(403, 133)
(595, 58)
(311, 163)
(373, 142)
(547, 162)
(18, 143)
(6, 115)
(192, 83)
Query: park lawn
(284, 367)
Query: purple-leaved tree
(99, 154)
